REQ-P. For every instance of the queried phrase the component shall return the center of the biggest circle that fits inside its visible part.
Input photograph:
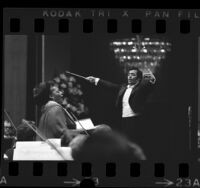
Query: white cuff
(153, 81)
(96, 81)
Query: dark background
(166, 115)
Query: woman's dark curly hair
(42, 92)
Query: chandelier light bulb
(145, 53)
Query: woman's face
(56, 94)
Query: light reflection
(140, 52)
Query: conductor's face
(56, 94)
(132, 77)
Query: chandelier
(140, 52)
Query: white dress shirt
(127, 111)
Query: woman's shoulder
(52, 107)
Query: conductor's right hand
(92, 79)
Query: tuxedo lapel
(134, 89)
(133, 94)
(122, 90)
(120, 94)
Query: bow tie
(130, 86)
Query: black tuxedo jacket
(137, 98)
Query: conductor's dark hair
(139, 72)
(42, 92)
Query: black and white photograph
(127, 90)
(100, 97)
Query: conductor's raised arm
(102, 83)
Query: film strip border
(43, 173)
(110, 169)
(63, 26)
(102, 174)
(89, 21)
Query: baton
(77, 75)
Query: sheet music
(40, 151)
(86, 123)
(36, 144)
